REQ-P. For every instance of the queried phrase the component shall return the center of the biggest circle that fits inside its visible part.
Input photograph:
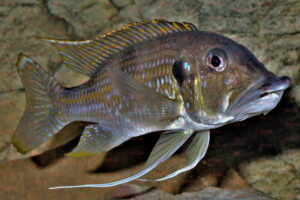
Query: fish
(149, 76)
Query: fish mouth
(261, 97)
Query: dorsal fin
(88, 55)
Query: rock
(68, 77)
(233, 180)
(16, 174)
(291, 57)
(23, 179)
(122, 3)
(129, 190)
(20, 33)
(170, 9)
(206, 180)
(12, 105)
(129, 14)
(213, 193)
(132, 192)
(295, 93)
(277, 176)
(83, 18)
(143, 2)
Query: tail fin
(40, 120)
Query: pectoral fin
(96, 139)
(165, 147)
(145, 106)
(194, 153)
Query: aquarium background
(256, 159)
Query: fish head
(228, 82)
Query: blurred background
(257, 159)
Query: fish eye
(216, 60)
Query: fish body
(150, 64)
(145, 77)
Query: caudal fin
(40, 120)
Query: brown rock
(206, 180)
(214, 193)
(122, 3)
(11, 108)
(22, 24)
(233, 180)
(83, 18)
(68, 77)
(276, 176)
(22, 179)
(209, 193)
(295, 93)
(291, 57)
(129, 190)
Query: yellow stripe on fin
(88, 55)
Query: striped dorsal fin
(87, 56)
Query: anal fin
(96, 139)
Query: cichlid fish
(145, 77)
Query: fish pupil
(215, 61)
(178, 72)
